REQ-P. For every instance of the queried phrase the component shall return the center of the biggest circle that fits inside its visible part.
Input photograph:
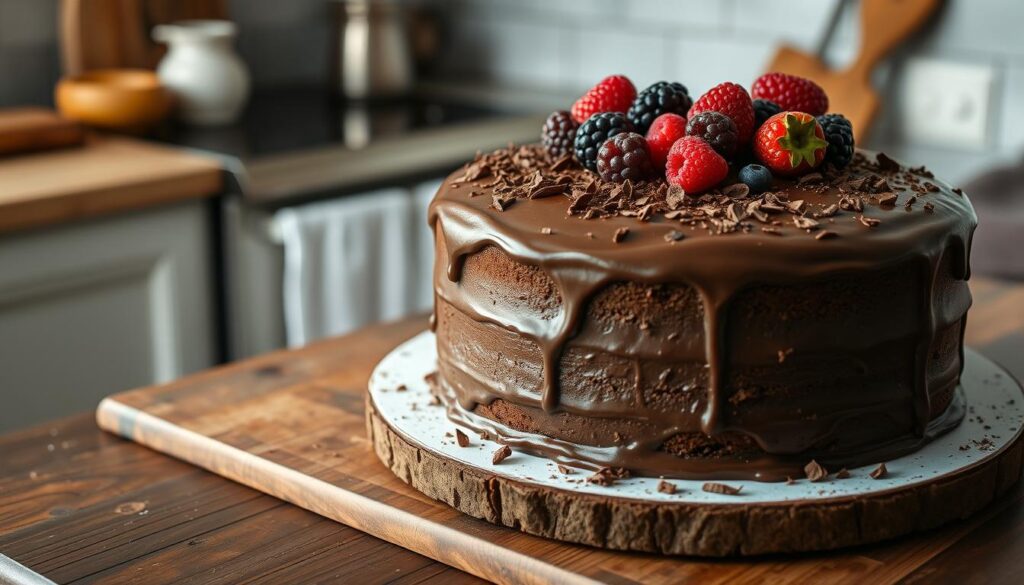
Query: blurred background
(186, 183)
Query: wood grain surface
(106, 175)
(70, 496)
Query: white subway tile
(712, 17)
(1011, 120)
(508, 52)
(802, 23)
(701, 63)
(551, 11)
(636, 54)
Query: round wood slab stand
(695, 529)
(725, 527)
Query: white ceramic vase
(201, 67)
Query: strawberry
(663, 133)
(733, 101)
(614, 93)
(790, 143)
(694, 165)
(792, 93)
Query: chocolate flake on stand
(461, 438)
(869, 221)
(843, 473)
(815, 472)
(620, 234)
(666, 487)
(721, 488)
(606, 476)
(879, 472)
(501, 454)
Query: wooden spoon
(884, 24)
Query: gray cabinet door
(102, 306)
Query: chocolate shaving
(666, 487)
(805, 223)
(869, 221)
(815, 472)
(790, 481)
(676, 197)
(501, 203)
(810, 178)
(565, 470)
(784, 353)
(606, 476)
(958, 191)
(879, 472)
(541, 192)
(546, 231)
(825, 235)
(461, 438)
(501, 454)
(929, 207)
(843, 473)
(887, 199)
(910, 202)
(771, 231)
(828, 211)
(886, 164)
(564, 162)
(674, 236)
(721, 488)
(795, 206)
(476, 170)
(737, 190)
(620, 234)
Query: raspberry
(661, 98)
(663, 133)
(614, 93)
(591, 135)
(839, 135)
(694, 165)
(764, 109)
(733, 101)
(716, 129)
(624, 156)
(757, 177)
(558, 134)
(792, 93)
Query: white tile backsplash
(801, 23)
(701, 63)
(680, 16)
(1011, 125)
(603, 52)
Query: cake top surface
(557, 206)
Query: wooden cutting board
(33, 129)
(884, 24)
(291, 424)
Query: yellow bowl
(118, 99)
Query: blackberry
(716, 129)
(591, 136)
(839, 135)
(558, 134)
(764, 109)
(624, 156)
(661, 98)
(757, 177)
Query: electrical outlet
(945, 104)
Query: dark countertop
(296, 144)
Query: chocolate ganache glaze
(727, 335)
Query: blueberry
(757, 177)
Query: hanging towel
(349, 262)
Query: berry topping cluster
(780, 128)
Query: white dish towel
(353, 261)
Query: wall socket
(945, 104)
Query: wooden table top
(107, 174)
(75, 502)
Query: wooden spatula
(884, 24)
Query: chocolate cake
(715, 336)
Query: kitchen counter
(79, 504)
(106, 175)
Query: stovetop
(285, 121)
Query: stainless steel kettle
(373, 56)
